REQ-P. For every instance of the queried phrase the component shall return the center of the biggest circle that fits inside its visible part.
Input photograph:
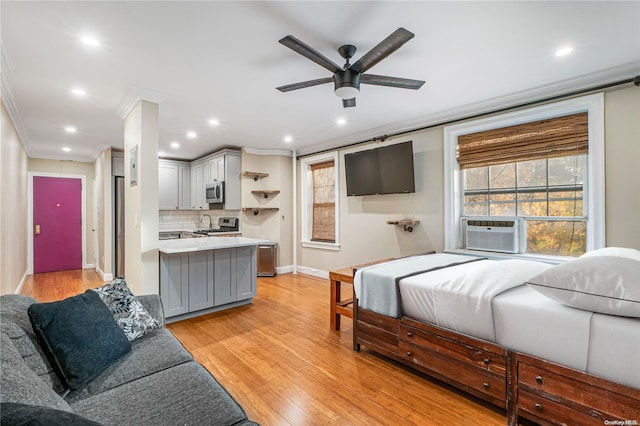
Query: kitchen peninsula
(203, 275)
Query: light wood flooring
(283, 364)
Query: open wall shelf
(407, 224)
(255, 175)
(257, 210)
(266, 193)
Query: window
(324, 202)
(544, 166)
(319, 188)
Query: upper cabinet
(199, 177)
(174, 187)
(181, 186)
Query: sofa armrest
(153, 305)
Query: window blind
(324, 200)
(555, 137)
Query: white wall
(365, 236)
(13, 207)
(104, 225)
(141, 201)
(274, 226)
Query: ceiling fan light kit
(347, 79)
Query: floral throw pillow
(127, 310)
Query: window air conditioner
(492, 235)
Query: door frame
(83, 193)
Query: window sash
(323, 205)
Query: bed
(555, 344)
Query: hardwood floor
(52, 286)
(283, 364)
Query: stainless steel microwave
(215, 192)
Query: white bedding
(459, 298)
(603, 345)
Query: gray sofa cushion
(22, 385)
(33, 415)
(79, 335)
(194, 395)
(157, 351)
(14, 322)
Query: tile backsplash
(185, 219)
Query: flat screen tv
(384, 170)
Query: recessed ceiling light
(90, 41)
(341, 121)
(66, 149)
(288, 139)
(214, 122)
(564, 51)
(78, 91)
(175, 145)
(70, 129)
(191, 134)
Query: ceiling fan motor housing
(346, 83)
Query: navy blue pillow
(79, 336)
(33, 415)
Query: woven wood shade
(324, 201)
(555, 137)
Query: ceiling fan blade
(385, 48)
(302, 85)
(348, 103)
(308, 52)
(383, 80)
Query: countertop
(207, 243)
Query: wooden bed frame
(522, 385)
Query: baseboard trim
(22, 281)
(318, 273)
(284, 269)
(103, 275)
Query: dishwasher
(267, 259)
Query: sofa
(156, 382)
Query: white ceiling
(202, 60)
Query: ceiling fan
(347, 79)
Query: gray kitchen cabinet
(174, 280)
(207, 280)
(199, 177)
(201, 280)
(235, 274)
(184, 187)
(167, 185)
(246, 273)
(174, 186)
(224, 283)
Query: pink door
(57, 223)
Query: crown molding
(12, 109)
(255, 151)
(137, 94)
(513, 100)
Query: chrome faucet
(210, 223)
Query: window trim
(594, 196)
(306, 196)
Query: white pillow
(603, 284)
(628, 253)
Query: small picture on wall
(133, 169)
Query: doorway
(57, 224)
